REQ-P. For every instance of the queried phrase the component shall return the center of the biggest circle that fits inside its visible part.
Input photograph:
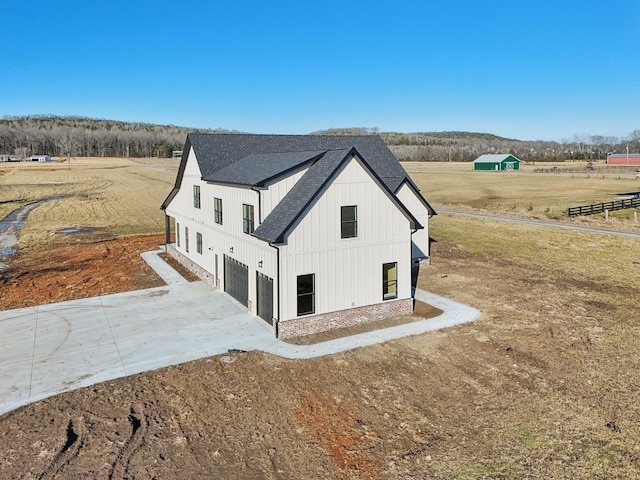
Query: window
(186, 238)
(198, 242)
(306, 294)
(177, 234)
(349, 221)
(217, 210)
(389, 281)
(196, 196)
(247, 218)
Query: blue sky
(521, 69)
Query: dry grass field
(543, 385)
(118, 196)
(456, 186)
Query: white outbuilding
(39, 158)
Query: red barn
(623, 159)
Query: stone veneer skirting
(311, 324)
(191, 266)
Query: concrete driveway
(55, 348)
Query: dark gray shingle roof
(216, 151)
(257, 169)
(252, 160)
(298, 199)
(285, 215)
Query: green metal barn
(498, 161)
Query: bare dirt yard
(543, 385)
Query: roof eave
(179, 176)
(413, 221)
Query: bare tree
(68, 145)
(634, 140)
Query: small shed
(497, 161)
(40, 158)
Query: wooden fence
(599, 169)
(601, 207)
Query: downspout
(277, 286)
(259, 204)
(414, 230)
(277, 261)
(167, 231)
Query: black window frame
(387, 282)
(186, 239)
(217, 210)
(349, 226)
(196, 196)
(247, 222)
(199, 242)
(177, 234)
(305, 297)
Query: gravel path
(542, 223)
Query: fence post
(606, 214)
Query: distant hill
(90, 137)
(467, 146)
(81, 136)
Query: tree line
(72, 136)
(467, 146)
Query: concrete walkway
(59, 347)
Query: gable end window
(389, 281)
(196, 196)
(217, 210)
(198, 242)
(247, 218)
(349, 221)
(306, 294)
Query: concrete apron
(56, 348)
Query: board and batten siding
(348, 272)
(420, 238)
(276, 191)
(221, 239)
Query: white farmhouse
(308, 232)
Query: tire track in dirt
(341, 434)
(70, 450)
(139, 423)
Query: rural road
(542, 223)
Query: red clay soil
(543, 385)
(66, 272)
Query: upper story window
(198, 242)
(217, 210)
(247, 218)
(349, 221)
(196, 196)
